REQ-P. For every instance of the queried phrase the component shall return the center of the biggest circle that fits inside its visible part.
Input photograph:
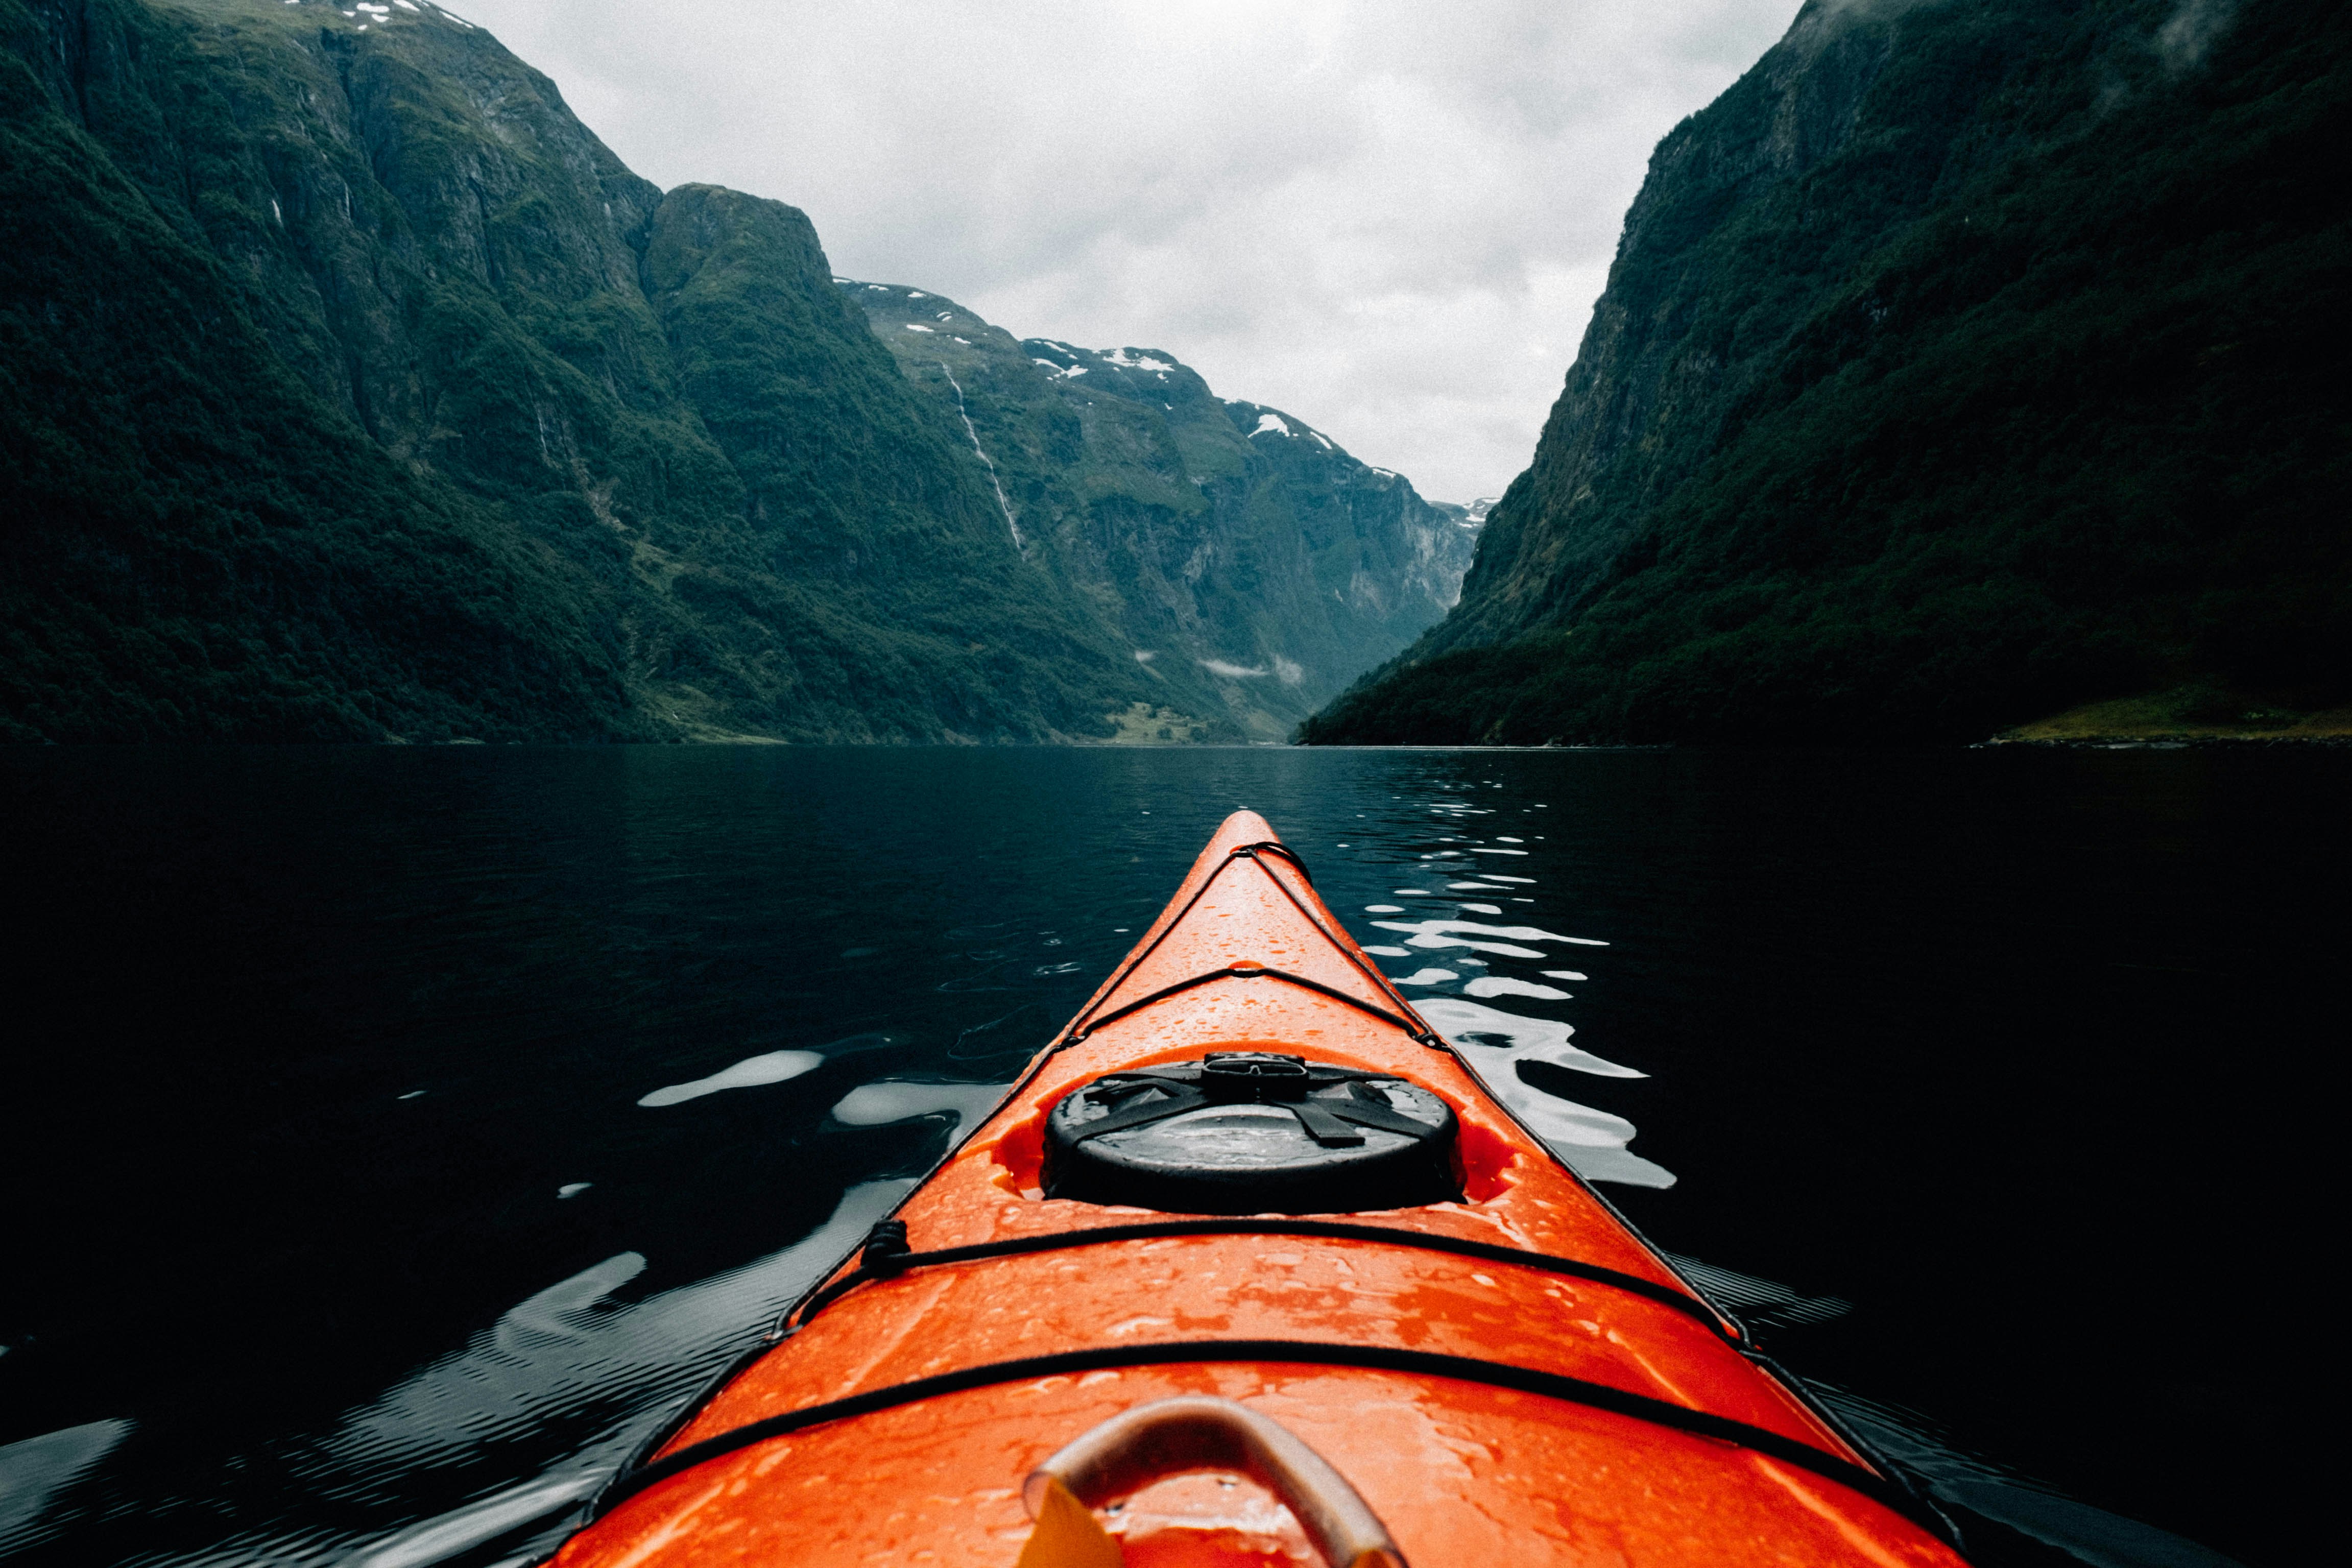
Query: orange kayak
(1250, 1268)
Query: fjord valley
(1201, 525)
(1961, 364)
(351, 389)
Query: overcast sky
(1389, 219)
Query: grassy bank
(2190, 714)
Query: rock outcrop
(351, 388)
(1251, 565)
(1960, 363)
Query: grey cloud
(1391, 217)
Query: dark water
(336, 1226)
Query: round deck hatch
(1251, 1132)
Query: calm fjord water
(390, 1136)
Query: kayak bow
(1250, 1266)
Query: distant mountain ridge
(351, 388)
(1253, 566)
(1961, 363)
(1470, 515)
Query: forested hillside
(1253, 566)
(1967, 360)
(351, 389)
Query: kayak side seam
(1370, 1357)
(889, 1265)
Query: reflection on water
(774, 1067)
(1974, 1487)
(896, 1100)
(1495, 1043)
(568, 1350)
(457, 1114)
(35, 1470)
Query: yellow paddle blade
(1067, 1535)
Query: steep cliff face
(1252, 566)
(1662, 358)
(354, 389)
(197, 542)
(1963, 362)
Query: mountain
(1250, 564)
(1965, 361)
(1468, 514)
(351, 389)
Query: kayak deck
(1513, 1373)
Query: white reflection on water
(1505, 1039)
(1593, 1142)
(461, 1529)
(563, 1352)
(1759, 1302)
(1512, 933)
(1504, 986)
(899, 1099)
(1506, 949)
(775, 1067)
(34, 1471)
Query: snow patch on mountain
(1141, 363)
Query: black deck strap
(1331, 1229)
(1329, 1131)
(1368, 1357)
(1323, 1120)
(1379, 1116)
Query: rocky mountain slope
(1252, 566)
(351, 389)
(1963, 362)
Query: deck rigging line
(885, 1257)
(1308, 1353)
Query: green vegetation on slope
(1962, 364)
(2191, 714)
(1251, 565)
(353, 389)
(196, 545)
